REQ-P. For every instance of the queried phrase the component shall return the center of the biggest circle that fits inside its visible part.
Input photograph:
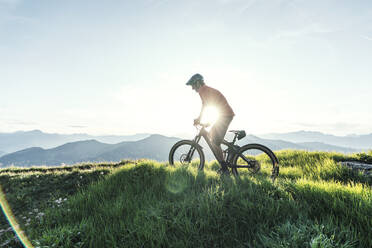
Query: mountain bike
(239, 158)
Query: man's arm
(197, 120)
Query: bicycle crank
(255, 166)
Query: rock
(365, 168)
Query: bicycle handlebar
(205, 125)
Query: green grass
(314, 203)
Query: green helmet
(197, 78)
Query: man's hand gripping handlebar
(197, 123)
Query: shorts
(219, 129)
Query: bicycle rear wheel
(186, 152)
(254, 157)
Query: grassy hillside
(314, 203)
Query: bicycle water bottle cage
(240, 134)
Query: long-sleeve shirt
(210, 96)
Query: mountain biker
(212, 97)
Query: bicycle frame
(232, 148)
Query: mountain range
(12, 142)
(154, 147)
(354, 141)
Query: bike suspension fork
(190, 154)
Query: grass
(314, 203)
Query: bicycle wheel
(254, 157)
(186, 152)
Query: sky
(120, 67)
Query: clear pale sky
(120, 67)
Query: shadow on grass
(152, 205)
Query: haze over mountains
(12, 142)
(154, 147)
(353, 141)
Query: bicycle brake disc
(183, 159)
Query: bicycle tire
(250, 150)
(179, 152)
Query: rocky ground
(363, 167)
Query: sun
(210, 115)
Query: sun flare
(210, 115)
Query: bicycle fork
(190, 154)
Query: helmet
(197, 78)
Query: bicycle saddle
(239, 133)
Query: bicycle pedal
(224, 172)
(229, 165)
(256, 166)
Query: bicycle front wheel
(253, 158)
(186, 152)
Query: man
(212, 97)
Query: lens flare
(12, 220)
(210, 115)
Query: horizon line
(179, 133)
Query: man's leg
(217, 135)
(217, 151)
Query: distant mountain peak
(90, 141)
(308, 132)
(253, 137)
(35, 131)
(31, 149)
(153, 137)
(156, 136)
(352, 141)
